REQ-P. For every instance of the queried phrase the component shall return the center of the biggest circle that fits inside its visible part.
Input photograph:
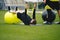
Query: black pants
(24, 18)
(53, 5)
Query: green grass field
(26, 32)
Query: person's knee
(35, 4)
(58, 11)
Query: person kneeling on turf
(54, 4)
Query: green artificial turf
(29, 32)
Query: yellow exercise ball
(11, 18)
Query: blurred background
(19, 3)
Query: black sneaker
(33, 21)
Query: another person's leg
(33, 21)
(26, 7)
(58, 10)
(59, 16)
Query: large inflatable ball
(11, 17)
(48, 15)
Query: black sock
(16, 8)
(25, 11)
(9, 8)
(59, 18)
(34, 11)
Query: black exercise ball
(48, 15)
